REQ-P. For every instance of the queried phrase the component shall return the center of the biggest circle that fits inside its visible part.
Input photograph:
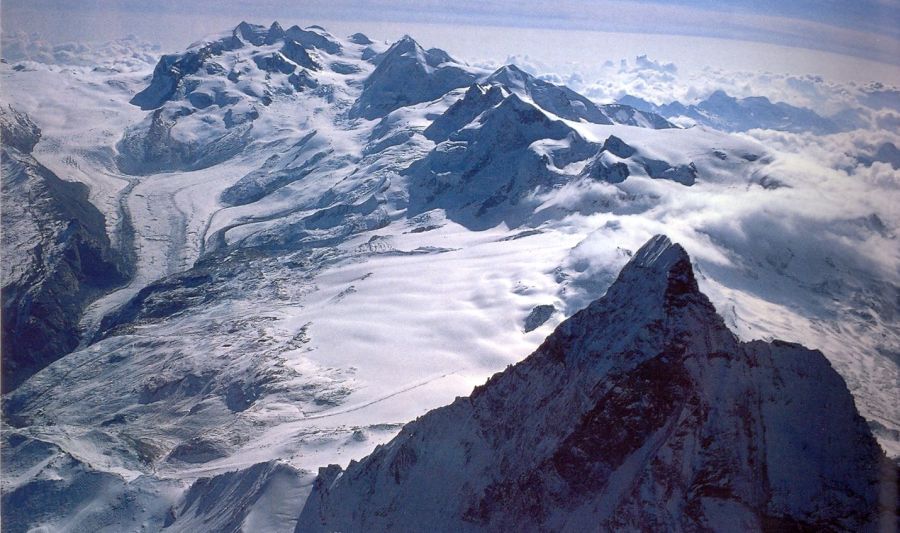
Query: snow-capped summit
(568, 104)
(360, 38)
(556, 99)
(172, 77)
(477, 99)
(254, 33)
(275, 33)
(408, 74)
(484, 169)
(314, 37)
(641, 411)
(203, 103)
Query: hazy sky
(864, 28)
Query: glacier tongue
(626, 418)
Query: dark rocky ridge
(71, 261)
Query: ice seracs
(642, 412)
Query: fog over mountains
(250, 286)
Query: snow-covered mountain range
(267, 253)
(727, 113)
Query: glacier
(325, 238)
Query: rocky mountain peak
(409, 48)
(661, 260)
(361, 39)
(314, 37)
(407, 74)
(640, 412)
(477, 99)
(509, 75)
(275, 33)
(254, 34)
(658, 268)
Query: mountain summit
(568, 104)
(642, 411)
(408, 74)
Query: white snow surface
(348, 315)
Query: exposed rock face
(498, 148)
(538, 316)
(314, 37)
(151, 146)
(57, 256)
(360, 38)
(18, 131)
(170, 72)
(42, 482)
(640, 412)
(477, 99)
(559, 100)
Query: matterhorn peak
(622, 424)
(661, 257)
